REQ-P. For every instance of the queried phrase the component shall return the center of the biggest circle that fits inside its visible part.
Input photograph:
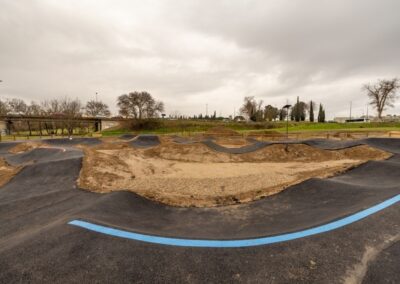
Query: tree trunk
(40, 128)
(380, 114)
(29, 127)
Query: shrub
(142, 124)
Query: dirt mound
(279, 153)
(232, 141)
(343, 135)
(221, 131)
(24, 147)
(194, 175)
(272, 133)
(186, 153)
(7, 172)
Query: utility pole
(96, 97)
(350, 109)
(287, 107)
(206, 109)
(367, 113)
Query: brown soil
(7, 172)
(274, 153)
(221, 131)
(232, 141)
(24, 147)
(194, 175)
(267, 133)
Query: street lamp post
(287, 120)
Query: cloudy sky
(192, 53)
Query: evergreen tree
(321, 114)
(298, 111)
(282, 114)
(311, 111)
(270, 113)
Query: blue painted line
(237, 243)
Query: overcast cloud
(190, 53)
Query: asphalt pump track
(41, 240)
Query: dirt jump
(206, 174)
(155, 210)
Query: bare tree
(97, 108)
(175, 114)
(17, 106)
(4, 108)
(67, 109)
(382, 94)
(249, 107)
(34, 109)
(139, 105)
(51, 107)
(71, 110)
(252, 109)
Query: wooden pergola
(43, 122)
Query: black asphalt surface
(5, 146)
(240, 150)
(37, 245)
(386, 144)
(145, 141)
(385, 268)
(127, 136)
(333, 144)
(72, 142)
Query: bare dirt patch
(194, 175)
(7, 172)
(232, 142)
(221, 131)
(274, 153)
(24, 147)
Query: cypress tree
(321, 114)
(297, 110)
(311, 112)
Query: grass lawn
(187, 127)
(341, 127)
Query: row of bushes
(192, 125)
(168, 126)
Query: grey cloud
(189, 53)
